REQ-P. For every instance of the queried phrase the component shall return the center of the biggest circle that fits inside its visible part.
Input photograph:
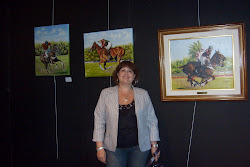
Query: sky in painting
(180, 48)
(54, 33)
(117, 37)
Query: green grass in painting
(41, 71)
(93, 69)
(220, 82)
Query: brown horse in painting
(52, 59)
(205, 73)
(103, 54)
(45, 61)
(117, 53)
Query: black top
(127, 127)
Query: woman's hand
(153, 149)
(101, 155)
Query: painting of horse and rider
(52, 50)
(202, 63)
(104, 50)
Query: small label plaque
(201, 93)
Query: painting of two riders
(202, 64)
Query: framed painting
(52, 52)
(104, 50)
(205, 63)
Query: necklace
(126, 98)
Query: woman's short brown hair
(130, 65)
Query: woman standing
(126, 127)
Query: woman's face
(126, 76)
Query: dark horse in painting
(117, 53)
(45, 61)
(52, 59)
(205, 73)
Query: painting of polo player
(52, 52)
(104, 50)
(202, 63)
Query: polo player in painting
(46, 49)
(205, 57)
(198, 55)
(105, 44)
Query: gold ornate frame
(238, 92)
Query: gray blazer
(107, 116)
